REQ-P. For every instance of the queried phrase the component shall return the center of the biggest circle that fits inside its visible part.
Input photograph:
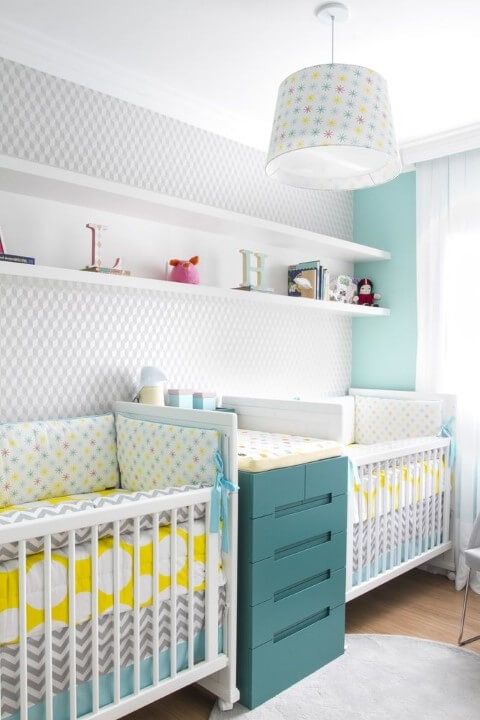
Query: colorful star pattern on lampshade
(335, 105)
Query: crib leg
(224, 705)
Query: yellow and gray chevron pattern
(404, 522)
(10, 659)
(76, 503)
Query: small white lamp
(153, 384)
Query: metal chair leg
(461, 641)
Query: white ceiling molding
(28, 47)
(446, 143)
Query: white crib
(33, 672)
(399, 497)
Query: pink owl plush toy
(185, 271)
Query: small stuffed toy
(365, 295)
(185, 271)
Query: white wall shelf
(38, 180)
(127, 281)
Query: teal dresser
(292, 553)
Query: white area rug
(381, 677)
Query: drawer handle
(303, 585)
(312, 542)
(292, 629)
(283, 510)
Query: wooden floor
(416, 604)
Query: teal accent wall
(384, 348)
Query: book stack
(6, 257)
(309, 280)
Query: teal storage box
(180, 398)
(292, 556)
(204, 401)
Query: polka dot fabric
(379, 420)
(259, 451)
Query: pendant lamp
(333, 127)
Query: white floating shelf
(127, 281)
(34, 179)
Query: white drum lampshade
(333, 126)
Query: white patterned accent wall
(48, 120)
(71, 348)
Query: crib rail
(143, 690)
(399, 512)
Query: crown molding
(441, 144)
(39, 51)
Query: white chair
(472, 560)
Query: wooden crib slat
(136, 605)
(95, 666)
(392, 509)
(377, 518)
(116, 611)
(447, 497)
(385, 515)
(441, 485)
(398, 560)
(22, 621)
(191, 587)
(173, 594)
(423, 485)
(360, 528)
(432, 501)
(369, 517)
(410, 504)
(415, 501)
(47, 586)
(211, 590)
(156, 598)
(72, 624)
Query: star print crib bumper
(112, 599)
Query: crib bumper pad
(9, 575)
(260, 451)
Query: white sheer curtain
(448, 295)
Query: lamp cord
(333, 35)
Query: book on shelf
(23, 259)
(308, 279)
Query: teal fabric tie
(446, 431)
(219, 504)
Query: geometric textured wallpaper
(49, 120)
(71, 349)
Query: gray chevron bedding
(408, 539)
(55, 507)
(9, 601)
(10, 662)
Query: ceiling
(217, 63)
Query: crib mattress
(260, 451)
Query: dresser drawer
(261, 580)
(292, 606)
(264, 493)
(290, 656)
(294, 526)
(326, 476)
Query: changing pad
(260, 451)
